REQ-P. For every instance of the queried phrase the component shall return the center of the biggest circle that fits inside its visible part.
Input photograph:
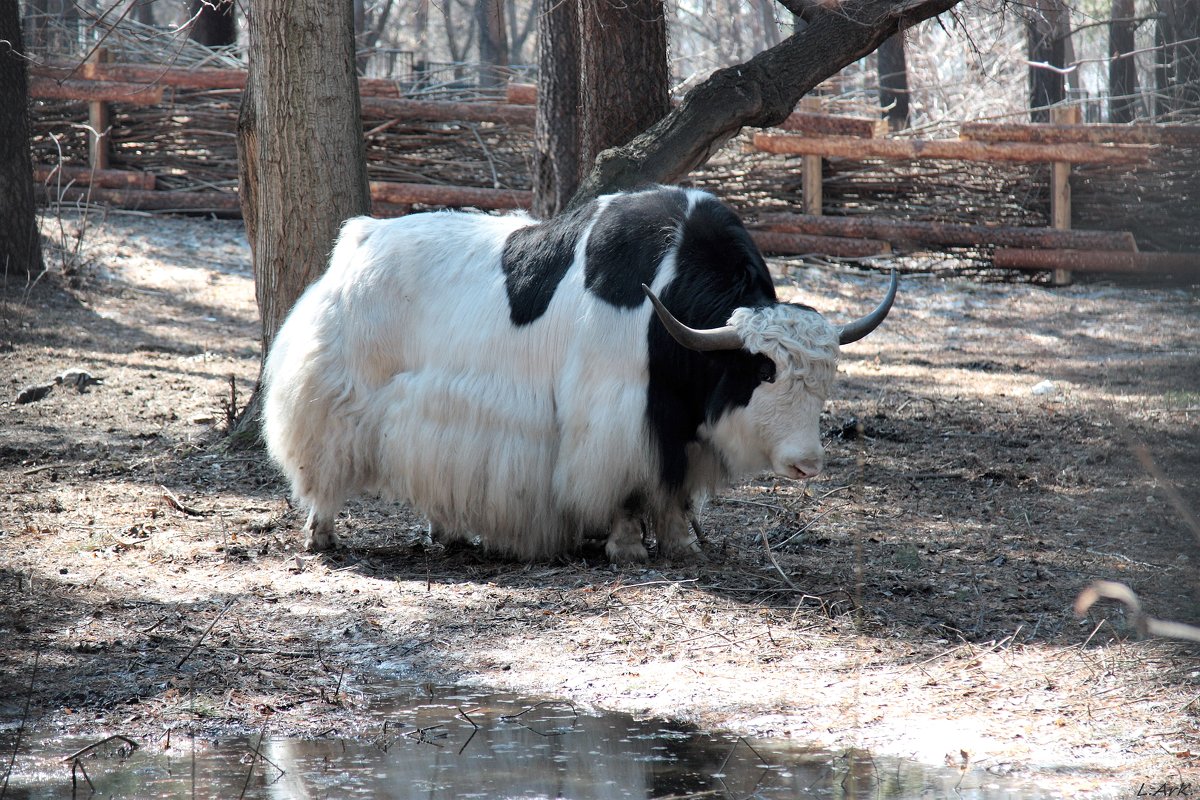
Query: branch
(759, 93)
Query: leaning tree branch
(758, 93)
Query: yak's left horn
(702, 340)
(853, 331)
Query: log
(84, 176)
(436, 111)
(450, 196)
(223, 204)
(829, 125)
(802, 244)
(1095, 261)
(949, 149)
(207, 78)
(946, 233)
(108, 91)
(1176, 135)
(522, 94)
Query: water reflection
(450, 743)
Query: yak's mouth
(801, 469)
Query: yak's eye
(766, 371)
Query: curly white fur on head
(799, 340)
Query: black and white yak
(535, 383)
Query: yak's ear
(853, 331)
(707, 340)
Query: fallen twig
(179, 505)
(217, 619)
(84, 751)
(1143, 624)
(774, 563)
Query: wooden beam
(450, 196)
(133, 94)
(949, 149)
(774, 243)
(811, 122)
(1060, 186)
(812, 167)
(946, 233)
(224, 204)
(1095, 261)
(524, 94)
(436, 111)
(85, 176)
(1177, 135)
(100, 122)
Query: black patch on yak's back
(629, 239)
(536, 258)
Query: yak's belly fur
(401, 373)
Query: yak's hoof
(683, 549)
(319, 536)
(626, 552)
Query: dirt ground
(992, 449)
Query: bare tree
(302, 166)
(213, 23)
(758, 93)
(556, 161)
(623, 84)
(1177, 73)
(893, 81)
(493, 41)
(20, 244)
(1122, 69)
(1048, 31)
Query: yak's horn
(853, 331)
(723, 338)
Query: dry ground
(916, 600)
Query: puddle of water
(422, 745)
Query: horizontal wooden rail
(452, 196)
(830, 125)
(85, 176)
(1095, 261)
(225, 204)
(136, 94)
(524, 94)
(773, 243)
(948, 233)
(1179, 135)
(440, 111)
(948, 149)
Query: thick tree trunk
(893, 81)
(760, 93)
(20, 244)
(556, 161)
(213, 24)
(301, 159)
(1178, 70)
(493, 42)
(1122, 69)
(1048, 31)
(623, 71)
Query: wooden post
(1060, 187)
(811, 166)
(99, 120)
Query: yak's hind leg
(675, 539)
(319, 533)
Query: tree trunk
(1048, 30)
(624, 82)
(20, 244)
(300, 150)
(213, 24)
(893, 81)
(1178, 71)
(1122, 69)
(493, 42)
(556, 162)
(759, 93)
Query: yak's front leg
(319, 533)
(625, 545)
(675, 538)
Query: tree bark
(1122, 69)
(20, 243)
(556, 160)
(213, 24)
(893, 81)
(624, 82)
(300, 150)
(1048, 30)
(760, 93)
(1178, 73)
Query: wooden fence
(163, 140)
